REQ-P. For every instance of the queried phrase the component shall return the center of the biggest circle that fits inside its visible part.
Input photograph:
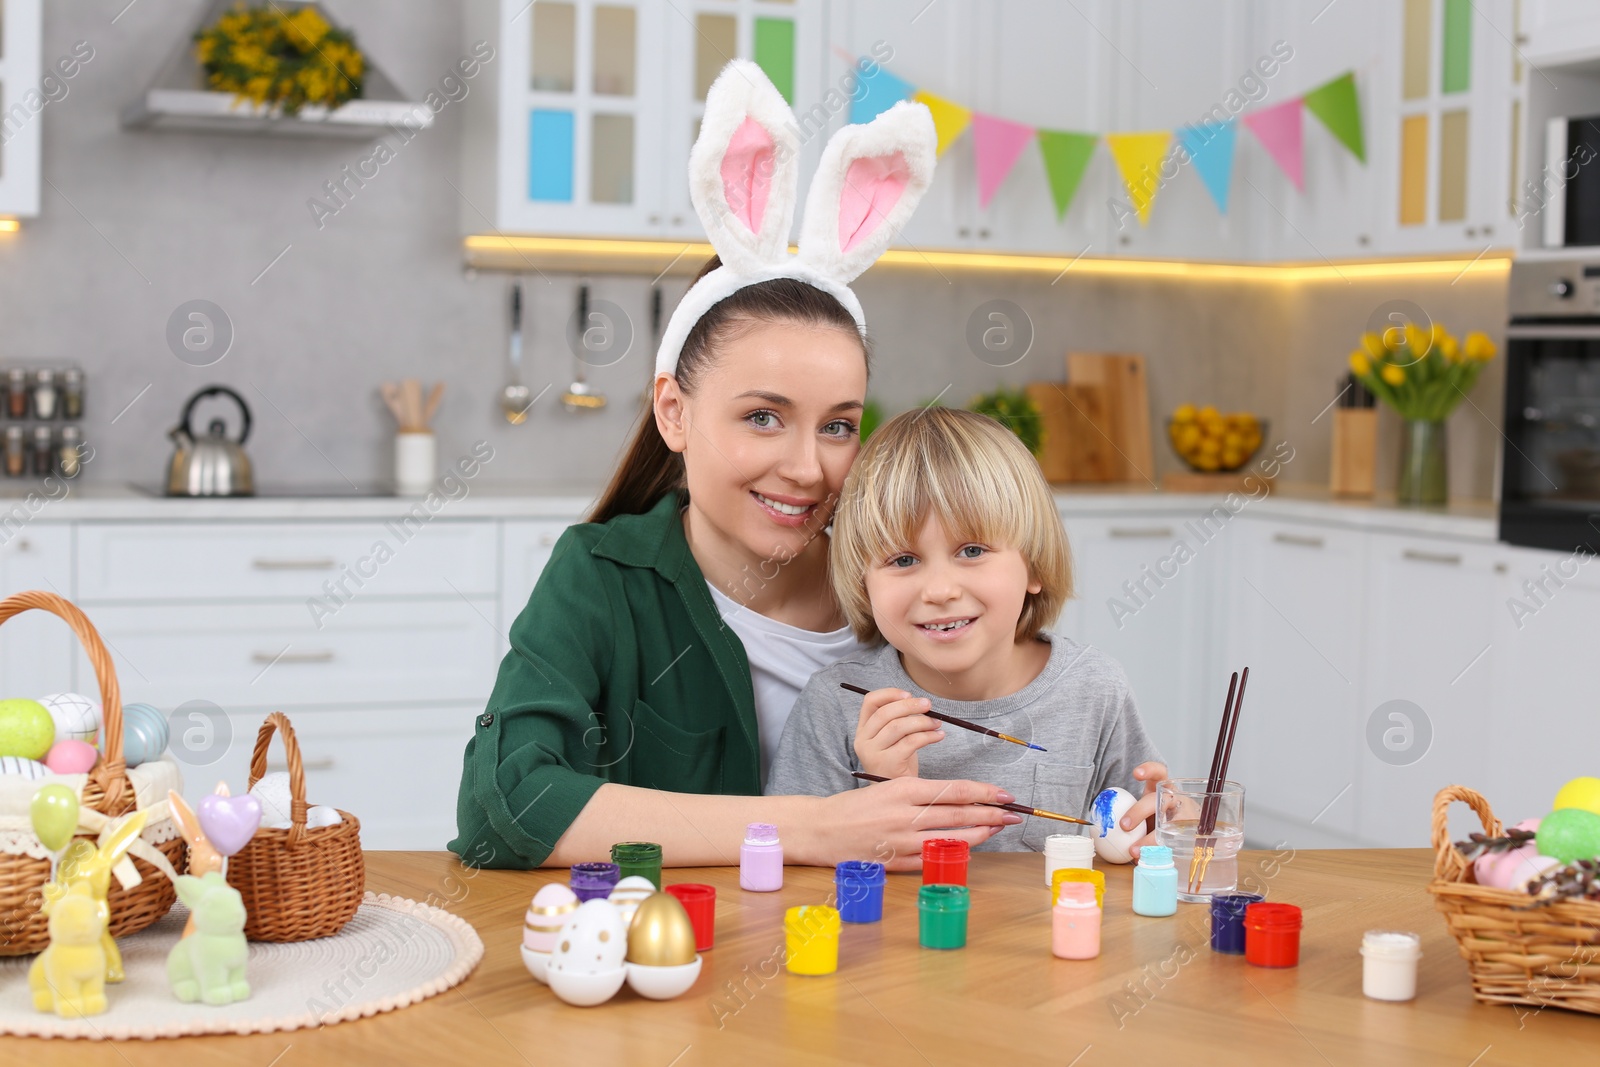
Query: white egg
(27, 768)
(1111, 842)
(627, 893)
(586, 967)
(275, 796)
(322, 815)
(76, 717)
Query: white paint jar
(1389, 964)
(1067, 850)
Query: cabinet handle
(677, 220)
(963, 231)
(1127, 533)
(546, 540)
(294, 564)
(1449, 559)
(1297, 539)
(323, 655)
(655, 220)
(984, 233)
(322, 763)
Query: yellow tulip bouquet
(271, 55)
(1422, 374)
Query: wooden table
(1157, 994)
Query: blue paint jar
(1227, 921)
(858, 885)
(1155, 882)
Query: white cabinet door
(35, 646)
(1560, 31)
(1431, 664)
(1544, 723)
(1296, 603)
(525, 548)
(22, 104)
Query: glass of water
(1206, 864)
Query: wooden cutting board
(1078, 438)
(1121, 379)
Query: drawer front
(275, 655)
(169, 561)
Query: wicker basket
(1517, 953)
(23, 928)
(298, 883)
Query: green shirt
(620, 670)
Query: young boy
(948, 547)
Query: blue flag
(1210, 146)
(877, 93)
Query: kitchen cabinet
(35, 646)
(22, 103)
(525, 548)
(1559, 31)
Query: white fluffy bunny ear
(868, 183)
(743, 168)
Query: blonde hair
(977, 478)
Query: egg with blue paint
(1111, 842)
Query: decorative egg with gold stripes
(628, 893)
(552, 906)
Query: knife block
(1355, 452)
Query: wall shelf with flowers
(278, 68)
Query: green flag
(1336, 105)
(1066, 155)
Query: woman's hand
(1151, 774)
(889, 821)
(891, 730)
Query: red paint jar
(700, 901)
(1272, 935)
(944, 861)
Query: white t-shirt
(782, 659)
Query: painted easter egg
(27, 768)
(76, 716)
(1581, 793)
(144, 734)
(1569, 834)
(628, 893)
(1111, 842)
(550, 909)
(586, 967)
(275, 796)
(322, 815)
(26, 729)
(1514, 869)
(71, 757)
(660, 934)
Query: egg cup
(537, 963)
(585, 990)
(662, 983)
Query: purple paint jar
(594, 881)
(761, 859)
(1227, 921)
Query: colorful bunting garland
(998, 143)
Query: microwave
(1567, 194)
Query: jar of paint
(858, 887)
(1155, 882)
(1067, 850)
(761, 859)
(1389, 964)
(594, 881)
(1069, 875)
(1075, 923)
(1227, 921)
(700, 901)
(943, 911)
(811, 936)
(1272, 935)
(642, 858)
(944, 861)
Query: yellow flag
(950, 120)
(1138, 157)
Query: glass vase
(1423, 476)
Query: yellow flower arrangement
(1423, 373)
(272, 56)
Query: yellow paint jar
(811, 935)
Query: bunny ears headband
(744, 182)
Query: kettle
(211, 465)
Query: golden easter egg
(660, 934)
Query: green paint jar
(641, 858)
(943, 910)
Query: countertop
(1467, 520)
(1157, 994)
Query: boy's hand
(1151, 774)
(891, 730)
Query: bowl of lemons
(1207, 440)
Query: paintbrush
(1020, 809)
(953, 721)
(1205, 842)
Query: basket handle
(1448, 864)
(297, 772)
(110, 771)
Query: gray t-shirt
(1080, 708)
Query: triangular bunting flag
(950, 119)
(997, 144)
(1210, 147)
(1138, 157)
(1278, 130)
(879, 91)
(1066, 156)
(1336, 105)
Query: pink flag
(998, 144)
(1278, 130)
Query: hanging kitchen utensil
(579, 396)
(211, 465)
(655, 341)
(515, 398)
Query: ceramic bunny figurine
(69, 977)
(83, 863)
(203, 857)
(209, 966)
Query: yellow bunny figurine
(203, 856)
(69, 977)
(84, 864)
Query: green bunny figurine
(208, 965)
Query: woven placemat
(394, 953)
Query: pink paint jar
(1075, 923)
(761, 859)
